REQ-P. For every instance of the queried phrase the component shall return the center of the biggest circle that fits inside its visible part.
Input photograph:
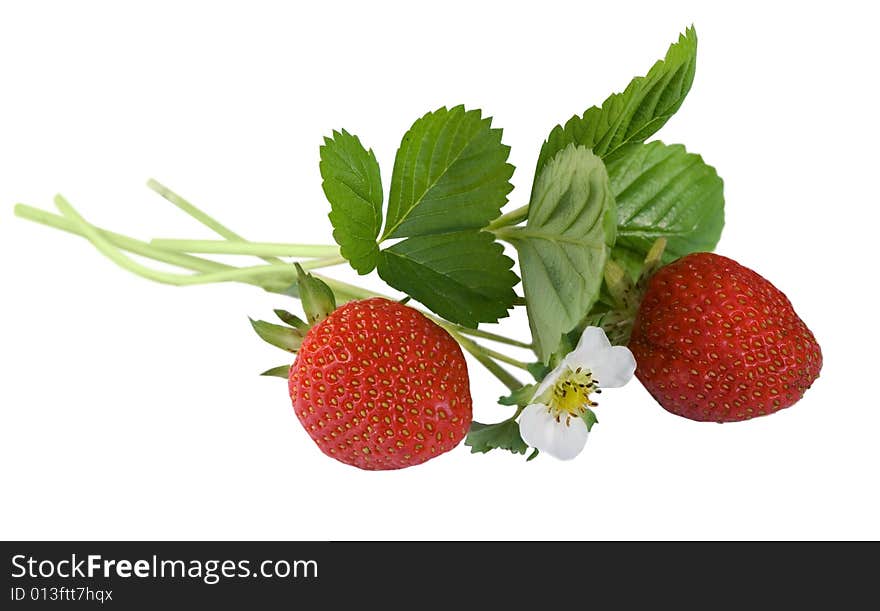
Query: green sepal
(292, 319)
(292, 290)
(538, 370)
(317, 298)
(653, 261)
(282, 371)
(589, 418)
(618, 282)
(504, 435)
(533, 455)
(281, 337)
(627, 295)
(520, 397)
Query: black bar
(168, 575)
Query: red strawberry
(715, 341)
(379, 386)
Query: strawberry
(715, 341)
(379, 386)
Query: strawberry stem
(349, 291)
(493, 337)
(259, 249)
(137, 247)
(479, 353)
(323, 262)
(513, 217)
(498, 356)
(199, 215)
(345, 290)
(284, 272)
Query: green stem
(283, 273)
(259, 249)
(513, 217)
(121, 241)
(480, 353)
(323, 262)
(342, 288)
(350, 290)
(202, 217)
(498, 356)
(196, 264)
(493, 337)
(494, 368)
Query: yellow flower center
(571, 394)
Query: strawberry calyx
(317, 297)
(291, 320)
(318, 303)
(627, 294)
(286, 338)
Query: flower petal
(569, 440)
(615, 367)
(539, 429)
(535, 425)
(591, 347)
(548, 382)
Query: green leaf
(589, 418)
(281, 337)
(353, 186)
(533, 455)
(317, 298)
(464, 276)
(291, 319)
(502, 436)
(637, 113)
(520, 397)
(662, 191)
(450, 173)
(282, 371)
(567, 343)
(564, 245)
(451, 177)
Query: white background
(133, 410)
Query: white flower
(554, 422)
